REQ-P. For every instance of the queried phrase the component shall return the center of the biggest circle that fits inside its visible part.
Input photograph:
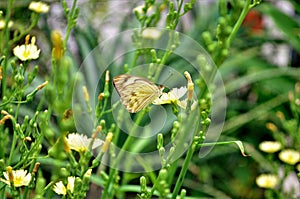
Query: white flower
(71, 182)
(183, 104)
(2, 24)
(269, 146)
(38, 7)
(140, 9)
(19, 178)
(267, 181)
(81, 143)
(151, 33)
(61, 189)
(173, 97)
(289, 156)
(27, 51)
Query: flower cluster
(286, 145)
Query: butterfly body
(135, 92)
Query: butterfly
(135, 92)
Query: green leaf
(289, 27)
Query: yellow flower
(27, 51)
(267, 181)
(61, 189)
(81, 143)
(38, 7)
(269, 146)
(18, 177)
(289, 156)
(2, 24)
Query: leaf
(289, 27)
(237, 142)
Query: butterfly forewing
(135, 92)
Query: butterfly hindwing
(135, 92)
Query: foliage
(62, 131)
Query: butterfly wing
(135, 92)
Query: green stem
(183, 170)
(70, 23)
(14, 141)
(27, 30)
(239, 22)
(178, 15)
(4, 69)
(120, 155)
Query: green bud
(143, 183)
(40, 185)
(153, 55)
(102, 124)
(222, 21)
(49, 133)
(112, 127)
(187, 7)
(160, 141)
(104, 176)
(182, 193)
(163, 174)
(203, 114)
(95, 163)
(162, 151)
(225, 52)
(207, 37)
(2, 164)
(126, 68)
(19, 78)
(25, 123)
(64, 172)
(212, 47)
(176, 124)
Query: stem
(239, 22)
(120, 155)
(183, 170)
(178, 15)
(70, 23)
(7, 17)
(27, 30)
(14, 142)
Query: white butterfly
(136, 93)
